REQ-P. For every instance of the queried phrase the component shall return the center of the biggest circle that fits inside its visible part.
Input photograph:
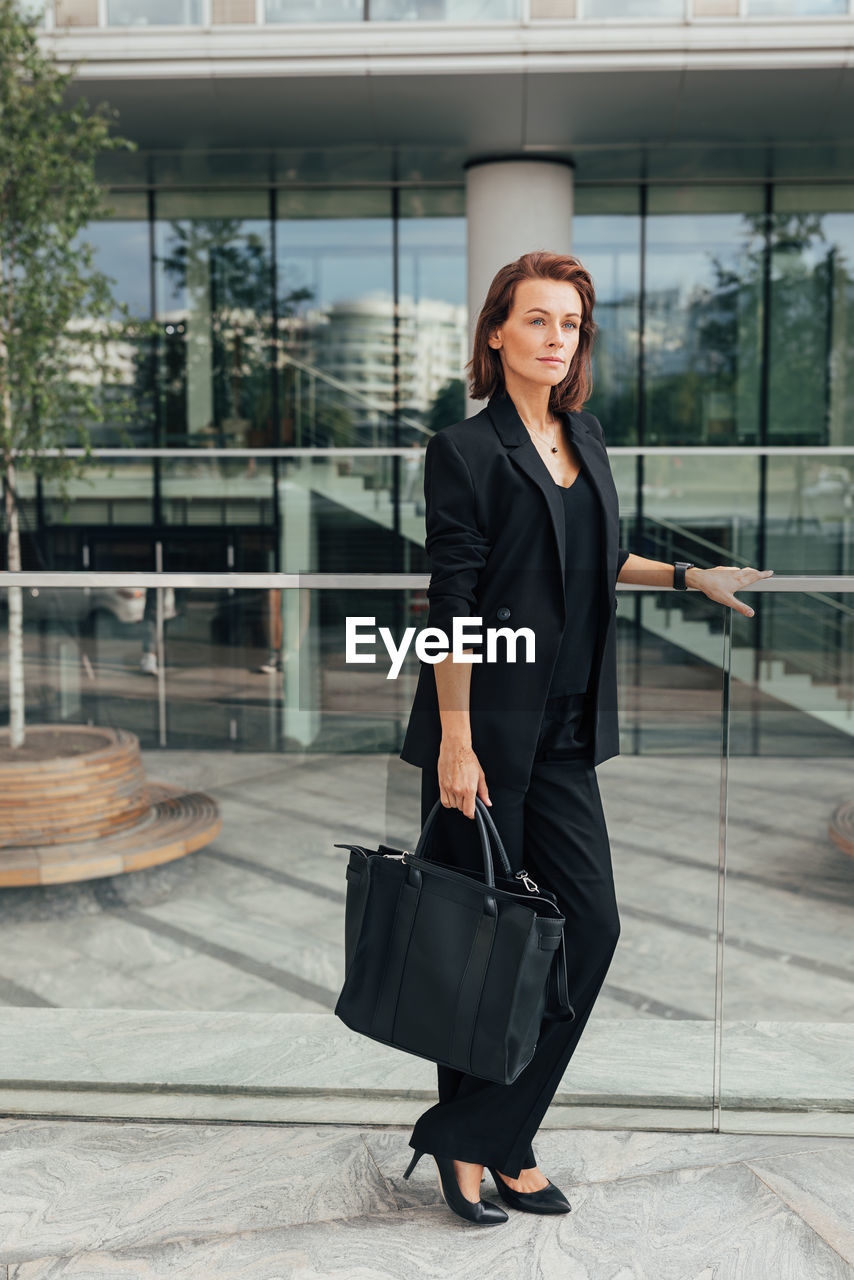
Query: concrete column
(513, 206)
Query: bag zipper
(504, 893)
(531, 887)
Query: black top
(582, 521)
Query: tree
(60, 344)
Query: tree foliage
(60, 341)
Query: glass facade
(337, 316)
(330, 314)
(213, 284)
(170, 13)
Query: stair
(825, 702)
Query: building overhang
(486, 88)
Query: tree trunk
(16, 614)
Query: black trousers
(555, 830)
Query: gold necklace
(553, 446)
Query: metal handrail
(290, 451)
(349, 581)
(689, 536)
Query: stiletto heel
(482, 1212)
(548, 1199)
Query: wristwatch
(679, 583)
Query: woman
(522, 528)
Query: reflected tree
(61, 345)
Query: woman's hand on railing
(460, 777)
(721, 582)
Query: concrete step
(797, 689)
(311, 1068)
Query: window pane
(632, 8)
(795, 8)
(433, 311)
(609, 246)
(702, 325)
(315, 10)
(811, 397)
(155, 13)
(445, 10)
(336, 317)
(124, 382)
(214, 279)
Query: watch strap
(679, 583)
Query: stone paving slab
(635, 1062)
(110, 1201)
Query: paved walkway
(110, 1200)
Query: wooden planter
(841, 827)
(75, 804)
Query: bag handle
(485, 827)
(558, 1007)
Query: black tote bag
(457, 966)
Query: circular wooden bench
(91, 812)
(841, 827)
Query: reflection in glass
(338, 381)
(702, 333)
(217, 491)
(121, 251)
(155, 13)
(214, 280)
(314, 10)
(702, 509)
(811, 390)
(608, 244)
(787, 1011)
(809, 514)
(795, 8)
(433, 313)
(595, 9)
(111, 491)
(338, 512)
(445, 10)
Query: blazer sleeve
(456, 546)
(623, 553)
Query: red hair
(487, 371)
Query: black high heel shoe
(483, 1212)
(548, 1199)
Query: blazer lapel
(523, 453)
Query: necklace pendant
(554, 448)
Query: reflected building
(313, 241)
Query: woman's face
(540, 335)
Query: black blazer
(495, 540)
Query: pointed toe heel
(482, 1212)
(548, 1199)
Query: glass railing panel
(686, 516)
(243, 702)
(809, 523)
(787, 1028)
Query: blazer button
(503, 613)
